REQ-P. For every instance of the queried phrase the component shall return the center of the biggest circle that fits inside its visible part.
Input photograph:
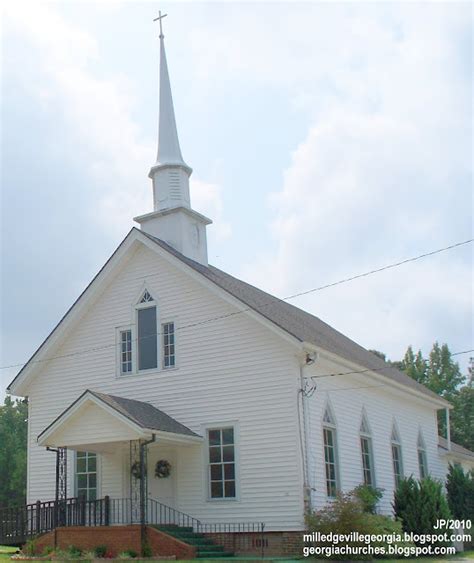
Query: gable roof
(299, 324)
(144, 414)
(141, 414)
(456, 449)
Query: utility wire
(376, 369)
(273, 302)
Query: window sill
(235, 499)
(145, 373)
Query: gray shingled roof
(144, 414)
(298, 323)
(455, 448)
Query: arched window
(367, 452)
(146, 344)
(330, 452)
(397, 459)
(147, 333)
(422, 460)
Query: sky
(326, 139)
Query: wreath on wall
(135, 470)
(162, 469)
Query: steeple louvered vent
(174, 184)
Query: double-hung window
(125, 351)
(397, 460)
(148, 345)
(86, 475)
(367, 452)
(169, 358)
(221, 458)
(330, 453)
(422, 460)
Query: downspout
(143, 499)
(303, 428)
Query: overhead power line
(376, 369)
(273, 302)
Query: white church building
(174, 390)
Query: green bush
(346, 514)
(48, 550)
(460, 488)
(100, 550)
(420, 504)
(30, 547)
(369, 497)
(74, 551)
(130, 553)
(146, 551)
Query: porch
(124, 456)
(167, 530)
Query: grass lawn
(6, 552)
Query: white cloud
(98, 109)
(207, 199)
(381, 175)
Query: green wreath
(162, 469)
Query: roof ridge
(329, 338)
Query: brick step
(205, 547)
(213, 554)
(209, 547)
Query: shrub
(460, 488)
(347, 514)
(30, 547)
(129, 553)
(100, 550)
(420, 504)
(369, 497)
(48, 550)
(74, 551)
(146, 551)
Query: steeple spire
(169, 151)
(172, 218)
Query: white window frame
(119, 344)
(367, 435)
(219, 425)
(98, 463)
(421, 450)
(331, 426)
(139, 307)
(395, 440)
(162, 344)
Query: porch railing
(18, 524)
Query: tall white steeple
(172, 219)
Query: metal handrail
(17, 524)
(164, 515)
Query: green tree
(462, 417)
(415, 366)
(444, 376)
(420, 505)
(460, 488)
(13, 440)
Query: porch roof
(95, 418)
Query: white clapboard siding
(232, 369)
(382, 405)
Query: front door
(162, 489)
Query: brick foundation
(271, 544)
(116, 538)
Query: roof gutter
(379, 376)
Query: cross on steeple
(159, 18)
